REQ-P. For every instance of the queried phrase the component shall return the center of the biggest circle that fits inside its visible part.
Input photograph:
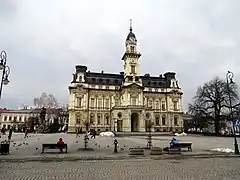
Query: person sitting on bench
(173, 142)
(60, 142)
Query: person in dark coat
(93, 133)
(10, 134)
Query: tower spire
(130, 25)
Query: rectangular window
(92, 119)
(107, 87)
(132, 69)
(163, 120)
(20, 118)
(92, 102)
(175, 121)
(156, 105)
(79, 101)
(99, 119)
(100, 86)
(163, 106)
(10, 118)
(132, 49)
(107, 103)
(150, 103)
(100, 103)
(5, 118)
(157, 120)
(175, 105)
(25, 119)
(134, 101)
(107, 119)
(15, 119)
(116, 102)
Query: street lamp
(6, 70)
(229, 77)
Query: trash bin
(4, 147)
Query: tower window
(132, 49)
(132, 69)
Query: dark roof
(154, 82)
(104, 78)
(131, 34)
(117, 79)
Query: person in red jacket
(60, 142)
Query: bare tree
(46, 100)
(211, 102)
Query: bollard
(115, 145)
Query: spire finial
(130, 25)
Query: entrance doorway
(134, 122)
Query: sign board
(236, 125)
(236, 122)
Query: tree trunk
(217, 128)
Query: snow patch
(108, 134)
(225, 150)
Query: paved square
(103, 146)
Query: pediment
(134, 86)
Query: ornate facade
(125, 102)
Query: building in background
(127, 101)
(14, 118)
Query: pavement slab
(134, 169)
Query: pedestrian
(77, 132)
(93, 134)
(10, 134)
(26, 133)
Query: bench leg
(66, 149)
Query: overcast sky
(45, 39)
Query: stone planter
(156, 151)
(136, 151)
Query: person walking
(93, 133)
(10, 134)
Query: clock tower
(131, 59)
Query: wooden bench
(181, 145)
(54, 146)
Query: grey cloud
(46, 39)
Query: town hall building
(125, 102)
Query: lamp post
(229, 77)
(6, 70)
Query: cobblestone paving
(201, 169)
